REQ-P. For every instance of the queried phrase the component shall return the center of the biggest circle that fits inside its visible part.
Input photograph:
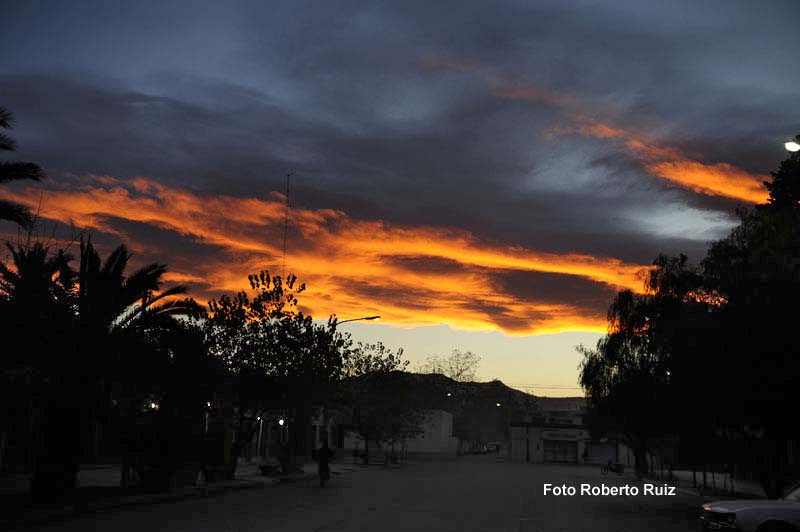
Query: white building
(436, 440)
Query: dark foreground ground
(473, 493)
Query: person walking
(323, 463)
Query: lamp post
(325, 406)
(260, 431)
(367, 318)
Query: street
(479, 493)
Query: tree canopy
(459, 365)
(707, 351)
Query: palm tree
(38, 278)
(122, 321)
(38, 403)
(113, 303)
(14, 171)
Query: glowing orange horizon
(351, 266)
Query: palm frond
(177, 307)
(168, 309)
(146, 279)
(15, 212)
(8, 279)
(7, 143)
(90, 259)
(176, 290)
(15, 171)
(115, 264)
(6, 118)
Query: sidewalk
(743, 489)
(99, 491)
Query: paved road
(471, 494)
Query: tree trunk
(773, 480)
(3, 443)
(125, 470)
(640, 461)
(55, 472)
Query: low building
(559, 435)
(540, 442)
(436, 440)
(437, 437)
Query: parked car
(758, 515)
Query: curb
(296, 478)
(707, 494)
(71, 511)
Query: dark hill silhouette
(481, 411)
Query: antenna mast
(286, 223)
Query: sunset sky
(483, 175)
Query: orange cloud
(720, 179)
(665, 162)
(670, 164)
(533, 94)
(352, 267)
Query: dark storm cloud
(555, 289)
(548, 288)
(421, 114)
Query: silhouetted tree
(756, 270)
(36, 315)
(121, 318)
(707, 352)
(459, 365)
(165, 436)
(628, 376)
(93, 339)
(379, 397)
(266, 344)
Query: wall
(437, 437)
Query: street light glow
(281, 422)
(498, 404)
(792, 146)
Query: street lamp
(792, 146)
(368, 318)
(260, 431)
(324, 404)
